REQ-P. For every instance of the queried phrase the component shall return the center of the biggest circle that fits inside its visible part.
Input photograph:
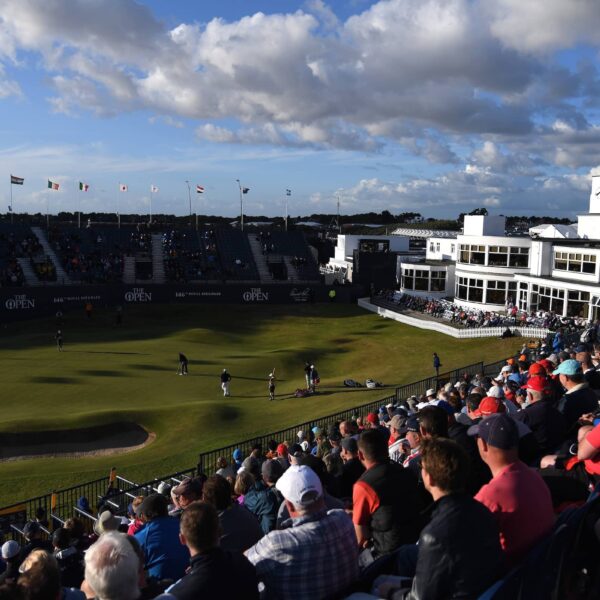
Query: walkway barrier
(455, 332)
(117, 492)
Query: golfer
(272, 385)
(225, 379)
(59, 340)
(183, 364)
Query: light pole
(288, 193)
(190, 200)
(241, 205)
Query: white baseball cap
(430, 392)
(495, 392)
(10, 549)
(300, 485)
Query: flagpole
(190, 200)
(78, 207)
(150, 220)
(118, 214)
(241, 206)
(12, 212)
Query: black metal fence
(115, 492)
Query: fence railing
(116, 492)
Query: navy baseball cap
(412, 424)
(499, 431)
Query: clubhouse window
(438, 281)
(575, 262)
(578, 304)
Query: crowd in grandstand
(190, 256)
(470, 317)
(437, 496)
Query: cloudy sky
(438, 106)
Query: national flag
(84, 187)
(122, 187)
(153, 189)
(16, 180)
(245, 190)
(288, 192)
(10, 207)
(199, 189)
(52, 185)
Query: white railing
(455, 332)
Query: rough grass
(109, 374)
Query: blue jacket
(164, 555)
(263, 502)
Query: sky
(432, 106)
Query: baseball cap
(537, 383)
(397, 422)
(568, 367)
(271, 470)
(106, 522)
(373, 418)
(316, 430)
(305, 446)
(192, 485)
(412, 424)
(300, 485)
(295, 449)
(499, 431)
(547, 364)
(581, 348)
(445, 406)
(282, 450)
(489, 406)
(301, 435)
(10, 549)
(430, 392)
(349, 444)
(495, 392)
(536, 369)
(164, 488)
(238, 454)
(30, 528)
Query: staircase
(158, 259)
(30, 277)
(61, 275)
(129, 269)
(260, 259)
(291, 269)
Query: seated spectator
(111, 569)
(384, 498)
(517, 496)
(282, 456)
(106, 522)
(458, 554)
(213, 572)
(188, 491)
(334, 468)
(353, 468)
(263, 499)
(313, 558)
(239, 528)
(11, 556)
(225, 470)
(579, 398)
(164, 557)
(136, 523)
(243, 482)
(70, 560)
(33, 535)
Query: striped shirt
(317, 557)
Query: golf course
(110, 374)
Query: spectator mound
(111, 438)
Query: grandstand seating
(236, 257)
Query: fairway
(109, 374)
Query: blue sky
(435, 106)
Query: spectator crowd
(434, 496)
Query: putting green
(113, 374)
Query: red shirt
(364, 503)
(522, 505)
(592, 465)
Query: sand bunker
(102, 440)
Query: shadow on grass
(107, 352)
(54, 380)
(100, 373)
(148, 368)
(226, 412)
(202, 362)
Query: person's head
(346, 429)
(61, 538)
(396, 424)
(32, 531)
(302, 490)
(40, 576)
(497, 440)
(349, 449)
(199, 528)
(221, 462)
(153, 507)
(11, 551)
(111, 568)
(433, 422)
(75, 527)
(217, 491)
(333, 464)
(188, 491)
(40, 513)
(271, 471)
(412, 432)
(372, 447)
(444, 467)
(569, 373)
(473, 402)
(136, 503)
(243, 482)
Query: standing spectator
(271, 386)
(517, 495)
(111, 569)
(238, 458)
(436, 364)
(59, 340)
(225, 470)
(459, 554)
(225, 380)
(164, 557)
(239, 528)
(213, 572)
(313, 558)
(384, 498)
(263, 499)
(353, 468)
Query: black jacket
(218, 574)
(577, 403)
(546, 423)
(459, 551)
